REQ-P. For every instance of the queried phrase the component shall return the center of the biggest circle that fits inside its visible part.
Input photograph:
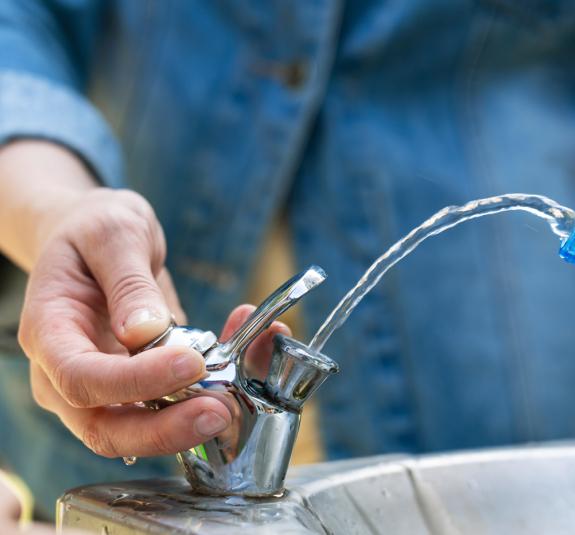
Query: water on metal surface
(526, 491)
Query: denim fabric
(360, 119)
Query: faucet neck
(274, 306)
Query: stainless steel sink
(526, 491)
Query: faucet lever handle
(272, 307)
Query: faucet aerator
(296, 372)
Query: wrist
(45, 214)
(39, 183)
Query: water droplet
(129, 461)
(236, 501)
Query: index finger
(86, 377)
(59, 328)
(130, 430)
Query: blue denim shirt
(360, 119)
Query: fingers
(59, 331)
(260, 350)
(92, 379)
(124, 250)
(125, 431)
(129, 430)
(235, 320)
(85, 377)
(10, 507)
(112, 264)
(258, 355)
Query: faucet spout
(287, 295)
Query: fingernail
(141, 316)
(188, 366)
(209, 424)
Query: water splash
(560, 218)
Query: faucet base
(257, 471)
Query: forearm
(42, 79)
(38, 180)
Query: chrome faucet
(251, 457)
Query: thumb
(137, 307)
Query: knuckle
(98, 440)
(135, 202)
(113, 225)
(70, 384)
(132, 384)
(24, 336)
(142, 215)
(128, 223)
(40, 397)
(29, 332)
(129, 285)
(116, 223)
(161, 442)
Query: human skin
(98, 288)
(10, 511)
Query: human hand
(99, 289)
(10, 507)
(11, 510)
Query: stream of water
(560, 218)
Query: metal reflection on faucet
(265, 398)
